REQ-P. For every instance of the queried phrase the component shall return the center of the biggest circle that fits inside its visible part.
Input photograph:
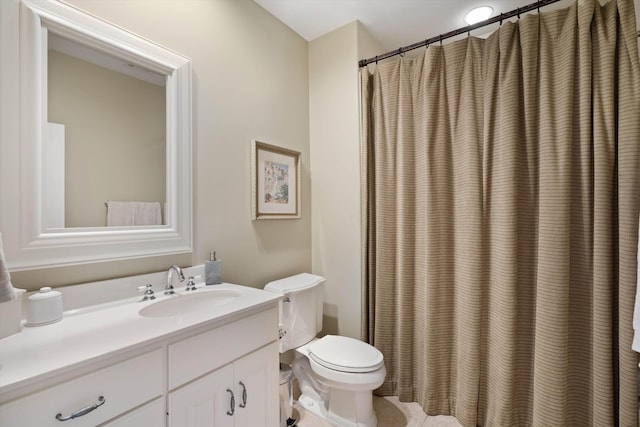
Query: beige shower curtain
(501, 182)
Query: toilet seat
(345, 354)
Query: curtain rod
(462, 30)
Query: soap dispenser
(213, 270)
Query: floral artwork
(276, 178)
(275, 182)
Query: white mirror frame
(28, 244)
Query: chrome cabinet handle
(83, 411)
(244, 395)
(233, 403)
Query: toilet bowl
(344, 360)
(336, 374)
(345, 371)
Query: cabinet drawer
(152, 414)
(124, 386)
(195, 356)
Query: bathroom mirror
(114, 149)
(34, 233)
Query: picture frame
(275, 182)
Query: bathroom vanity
(204, 357)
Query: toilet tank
(300, 309)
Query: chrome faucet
(169, 288)
(148, 292)
(191, 285)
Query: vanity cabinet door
(253, 380)
(257, 374)
(204, 402)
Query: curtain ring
(501, 19)
(440, 39)
(376, 59)
(538, 3)
(401, 52)
(518, 12)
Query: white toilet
(336, 374)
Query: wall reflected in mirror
(106, 136)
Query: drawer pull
(233, 404)
(244, 395)
(83, 411)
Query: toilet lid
(345, 354)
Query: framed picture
(275, 182)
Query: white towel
(7, 293)
(636, 312)
(147, 213)
(119, 213)
(133, 213)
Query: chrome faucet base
(191, 285)
(148, 292)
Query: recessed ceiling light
(478, 14)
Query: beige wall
(114, 137)
(250, 81)
(335, 158)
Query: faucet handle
(191, 285)
(148, 292)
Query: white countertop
(92, 334)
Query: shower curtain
(500, 200)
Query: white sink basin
(198, 300)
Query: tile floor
(390, 413)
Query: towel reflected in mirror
(133, 213)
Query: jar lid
(45, 294)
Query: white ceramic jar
(44, 307)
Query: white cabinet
(227, 376)
(113, 390)
(205, 402)
(150, 415)
(183, 379)
(241, 394)
(259, 374)
(200, 354)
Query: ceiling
(393, 23)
